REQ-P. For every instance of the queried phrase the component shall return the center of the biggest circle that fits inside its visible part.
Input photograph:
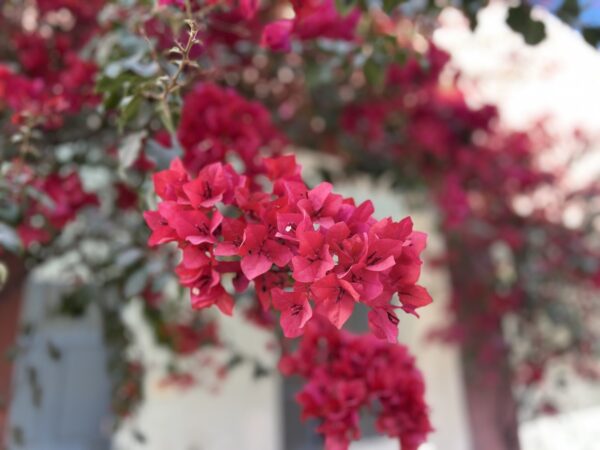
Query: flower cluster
(441, 130)
(51, 79)
(47, 204)
(347, 374)
(186, 338)
(302, 247)
(487, 237)
(312, 19)
(217, 123)
(45, 100)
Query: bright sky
(559, 78)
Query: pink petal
(255, 265)
(295, 310)
(226, 249)
(278, 253)
(382, 265)
(225, 303)
(413, 297)
(384, 324)
(194, 257)
(276, 36)
(319, 194)
(337, 311)
(254, 237)
(293, 323)
(307, 271)
(248, 8)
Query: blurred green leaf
(390, 5)
(130, 148)
(374, 73)
(129, 109)
(519, 20)
(135, 283)
(9, 239)
(344, 6)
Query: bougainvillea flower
(312, 19)
(276, 36)
(266, 283)
(201, 276)
(195, 257)
(413, 297)
(313, 260)
(232, 231)
(179, 3)
(259, 252)
(320, 18)
(367, 283)
(381, 254)
(366, 375)
(196, 227)
(295, 310)
(388, 229)
(383, 323)
(217, 122)
(289, 225)
(216, 295)
(248, 8)
(168, 184)
(283, 167)
(330, 252)
(359, 218)
(334, 298)
(351, 251)
(161, 231)
(208, 188)
(321, 205)
(311, 240)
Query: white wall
(244, 413)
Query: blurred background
(515, 368)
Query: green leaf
(374, 73)
(390, 5)
(591, 35)
(115, 89)
(166, 116)
(130, 148)
(129, 108)
(345, 6)
(74, 304)
(519, 19)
